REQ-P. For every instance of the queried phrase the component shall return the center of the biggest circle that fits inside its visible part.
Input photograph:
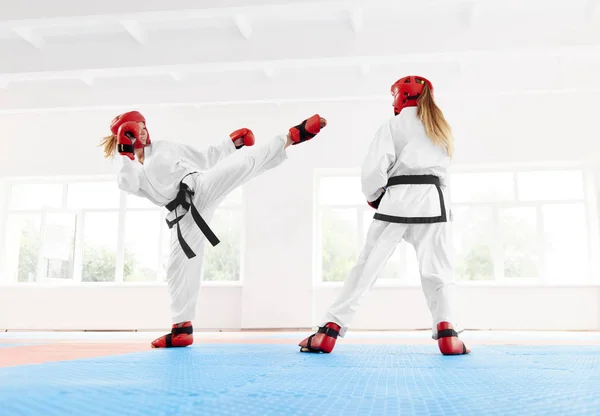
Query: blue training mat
(278, 380)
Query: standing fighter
(402, 177)
(190, 183)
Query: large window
(89, 231)
(343, 221)
(511, 225)
(523, 224)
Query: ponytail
(110, 145)
(436, 126)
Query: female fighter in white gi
(402, 177)
(190, 183)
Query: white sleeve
(206, 158)
(380, 158)
(129, 174)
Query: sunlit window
(88, 231)
(508, 225)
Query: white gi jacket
(401, 147)
(165, 165)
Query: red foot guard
(321, 341)
(308, 129)
(448, 340)
(179, 337)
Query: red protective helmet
(407, 90)
(124, 118)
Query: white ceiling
(78, 54)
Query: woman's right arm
(128, 174)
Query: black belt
(181, 201)
(416, 180)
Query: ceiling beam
(135, 30)
(468, 12)
(244, 26)
(30, 36)
(317, 42)
(332, 86)
(241, 65)
(591, 10)
(282, 100)
(229, 9)
(89, 81)
(356, 17)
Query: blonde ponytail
(110, 145)
(436, 126)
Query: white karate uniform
(165, 165)
(419, 214)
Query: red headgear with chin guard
(124, 118)
(407, 90)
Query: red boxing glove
(245, 134)
(308, 129)
(375, 204)
(127, 134)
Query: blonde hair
(110, 145)
(436, 126)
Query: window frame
(591, 221)
(588, 201)
(80, 214)
(360, 210)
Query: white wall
(278, 289)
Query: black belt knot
(181, 201)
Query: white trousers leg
(434, 247)
(219, 181)
(382, 239)
(435, 254)
(183, 274)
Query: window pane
(481, 187)
(22, 245)
(93, 195)
(134, 201)
(550, 185)
(341, 190)
(58, 246)
(222, 262)
(566, 243)
(338, 243)
(142, 232)
(35, 196)
(473, 237)
(100, 247)
(518, 228)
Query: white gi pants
(211, 187)
(435, 255)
